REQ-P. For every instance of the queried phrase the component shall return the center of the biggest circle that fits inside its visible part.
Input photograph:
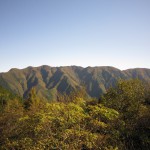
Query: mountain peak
(48, 81)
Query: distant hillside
(49, 81)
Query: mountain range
(49, 81)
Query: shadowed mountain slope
(48, 81)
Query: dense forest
(118, 120)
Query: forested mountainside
(49, 81)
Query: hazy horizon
(81, 33)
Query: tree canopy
(120, 121)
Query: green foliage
(129, 98)
(126, 98)
(79, 123)
(5, 97)
(57, 125)
(33, 102)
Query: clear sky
(74, 32)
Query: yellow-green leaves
(101, 112)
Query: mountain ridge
(49, 81)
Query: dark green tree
(33, 102)
(128, 99)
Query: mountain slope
(49, 81)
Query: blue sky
(74, 32)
